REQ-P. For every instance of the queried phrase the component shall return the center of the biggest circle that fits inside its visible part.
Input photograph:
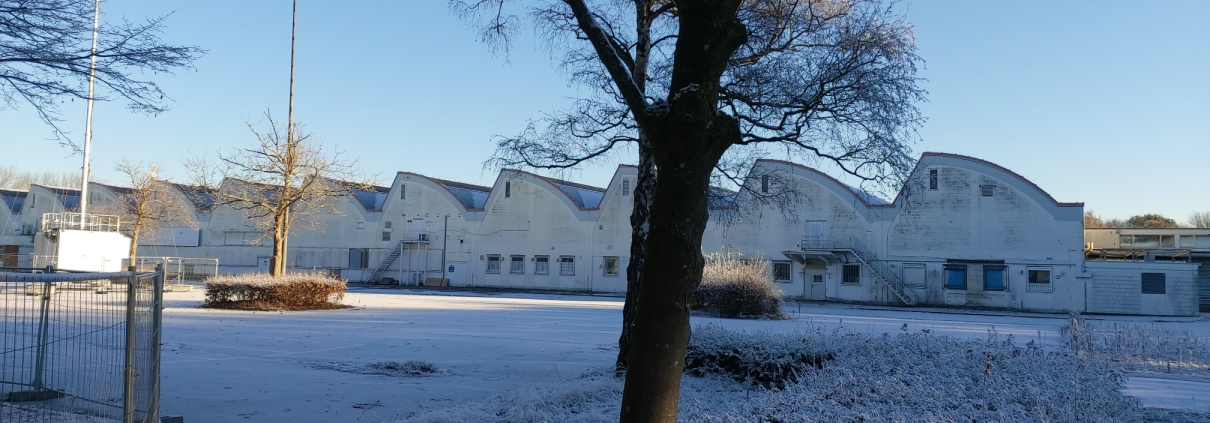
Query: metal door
(815, 234)
(262, 264)
(813, 278)
(458, 273)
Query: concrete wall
(1116, 288)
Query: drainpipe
(445, 235)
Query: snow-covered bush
(735, 286)
(761, 359)
(907, 377)
(259, 291)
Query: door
(458, 273)
(262, 264)
(418, 230)
(815, 234)
(813, 278)
(9, 257)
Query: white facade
(962, 232)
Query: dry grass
(259, 291)
(734, 286)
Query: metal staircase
(386, 263)
(867, 258)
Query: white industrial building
(962, 232)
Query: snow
(222, 365)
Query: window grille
(851, 274)
(567, 266)
(610, 267)
(516, 265)
(493, 263)
(987, 190)
(625, 186)
(781, 271)
(541, 265)
(932, 178)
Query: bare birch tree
(147, 205)
(280, 183)
(45, 52)
(822, 79)
(1199, 220)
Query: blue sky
(1106, 103)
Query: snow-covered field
(221, 366)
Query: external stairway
(868, 259)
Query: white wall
(1116, 288)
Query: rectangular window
(625, 186)
(508, 189)
(387, 224)
(403, 191)
(610, 266)
(781, 271)
(913, 275)
(359, 258)
(516, 265)
(386, 235)
(851, 273)
(955, 276)
(987, 190)
(567, 266)
(993, 278)
(764, 183)
(541, 265)
(493, 263)
(1153, 283)
(932, 178)
(1039, 280)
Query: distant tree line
(1149, 220)
(13, 178)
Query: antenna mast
(92, 77)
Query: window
(913, 275)
(493, 263)
(851, 273)
(764, 183)
(781, 271)
(567, 266)
(625, 186)
(1153, 283)
(932, 178)
(993, 278)
(516, 265)
(386, 235)
(987, 190)
(361, 225)
(1039, 280)
(403, 191)
(359, 258)
(610, 267)
(387, 224)
(508, 189)
(955, 276)
(541, 265)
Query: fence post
(128, 375)
(43, 329)
(157, 328)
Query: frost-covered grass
(1137, 347)
(906, 377)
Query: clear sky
(1101, 102)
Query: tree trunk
(278, 265)
(644, 187)
(134, 243)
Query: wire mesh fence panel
(79, 347)
(180, 270)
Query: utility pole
(280, 268)
(92, 77)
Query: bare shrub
(734, 286)
(1136, 347)
(259, 291)
(410, 368)
(767, 360)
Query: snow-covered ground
(221, 366)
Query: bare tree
(147, 205)
(283, 181)
(1091, 220)
(824, 80)
(1150, 220)
(45, 50)
(12, 178)
(1199, 220)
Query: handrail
(880, 269)
(77, 221)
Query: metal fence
(179, 270)
(80, 347)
